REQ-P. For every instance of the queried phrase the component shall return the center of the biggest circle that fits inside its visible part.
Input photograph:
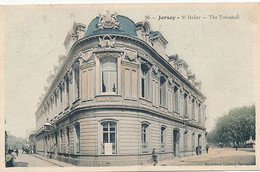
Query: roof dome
(111, 24)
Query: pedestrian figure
(197, 150)
(207, 148)
(236, 146)
(16, 151)
(9, 159)
(200, 150)
(154, 156)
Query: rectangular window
(163, 139)
(144, 81)
(185, 111)
(185, 140)
(176, 99)
(199, 112)
(144, 138)
(109, 138)
(109, 75)
(77, 138)
(163, 85)
(193, 109)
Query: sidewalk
(56, 162)
(216, 156)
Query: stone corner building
(116, 95)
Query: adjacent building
(116, 95)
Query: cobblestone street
(215, 157)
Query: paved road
(26, 160)
(217, 156)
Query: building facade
(116, 95)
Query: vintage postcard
(135, 87)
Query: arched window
(109, 75)
(163, 129)
(77, 138)
(193, 141)
(185, 140)
(109, 137)
(144, 137)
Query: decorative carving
(170, 80)
(141, 54)
(108, 21)
(181, 88)
(173, 57)
(131, 56)
(79, 55)
(101, 55)
(107, 41)
(84, 57)
(155, 69)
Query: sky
(219, 52)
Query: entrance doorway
(176, 139)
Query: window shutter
(127, 83)
(90, 84)
(84, 84)
(134, 84)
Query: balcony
(108, 148)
